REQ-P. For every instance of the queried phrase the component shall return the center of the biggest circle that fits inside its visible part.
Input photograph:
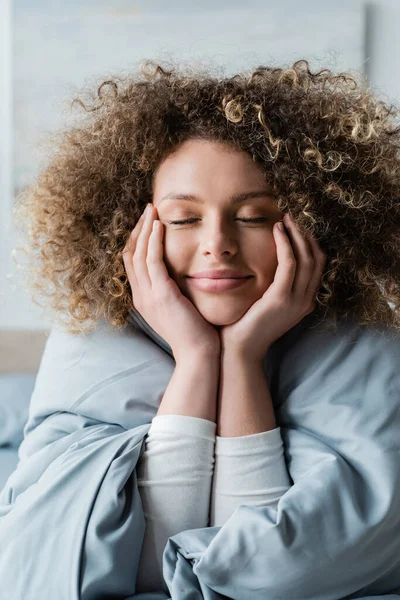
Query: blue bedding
(8, 463)
(71, 517)
(15, 393)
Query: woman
(234, 229)
(222, 163)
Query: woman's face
(217, 237)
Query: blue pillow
(15, 394)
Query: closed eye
(254, 220)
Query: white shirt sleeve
(183, 485)
(174, 476)
(249, 469)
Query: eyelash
(255, 220)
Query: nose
(219, 239)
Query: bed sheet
(8, 462)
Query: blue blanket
(71, 518)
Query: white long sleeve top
(188, 478)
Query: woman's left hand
(289, 298)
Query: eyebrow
(235, 199)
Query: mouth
(218, 285)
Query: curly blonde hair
(328, 146)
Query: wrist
(192, 390)
(245, 357)
(207, 357)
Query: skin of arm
(244, 400)
(225, 388)
(193, 388)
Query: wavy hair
(327, 144)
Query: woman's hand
(157, 296)
(289, 298)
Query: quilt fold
(71, 518)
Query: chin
(221, 316)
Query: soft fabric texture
(71, 517)
(250, 470)
(8, 463)
(15, 394)
(174, 476)
(181, 475)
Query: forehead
(210, 166)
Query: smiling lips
(217, 285)
(220, 274)
(218, 280)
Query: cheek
(263, 258)
(174, 254)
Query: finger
(140, 255)
(131, 242)
(155, 261)
(286, 269)
(304, 257)
(320, 262)
(128, 251)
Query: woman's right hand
(158, 298)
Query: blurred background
(49, 49)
